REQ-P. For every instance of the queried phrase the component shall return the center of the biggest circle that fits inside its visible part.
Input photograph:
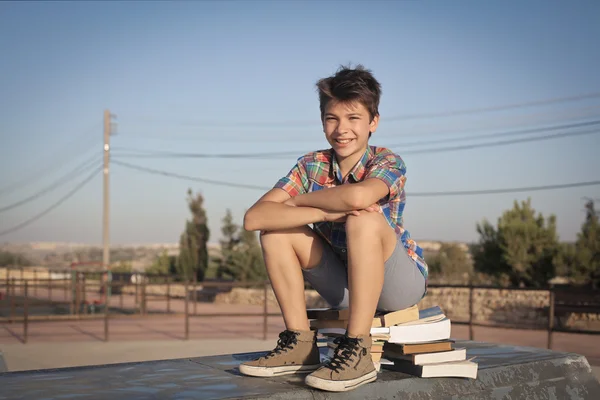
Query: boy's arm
(355, 196)
(270, 213)
(385, 177)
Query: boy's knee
(365, 223)
(279, 236)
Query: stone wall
(509, 307)
(514, 308)
(256, 297)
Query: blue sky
(238, 76)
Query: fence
(71, 292)
(77, 295)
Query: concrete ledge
(505, 372)
(3, 367)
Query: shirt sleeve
(391, 170)
(296, 181)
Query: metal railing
(21, 295)
(90, 296)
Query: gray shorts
(403, 283)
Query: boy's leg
(403, 285)
(286, 254)
(370, 242)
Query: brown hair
(349, 84)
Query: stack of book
(412, 341)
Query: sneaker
(350, 367)
(296, 352)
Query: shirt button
(343, 250)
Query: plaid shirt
(320, 169)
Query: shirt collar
(358, 171)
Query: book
(413, 341)
(430, 358)
(438, 328)
(456, 369)
(418, 348)
(401, 316)
(417, 333)
(327, 317)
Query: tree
(163, 264)
(229, 230)
(122, 267)
(193, 250)
(522, 248)
(565, 260)
(585, 265)
(241, 254)
(451, 264)
(488, 256)
(8, 259)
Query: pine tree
(587, 246)
(163, 264)
(241, 254)
(523, 247)
(450, 264)
(193, 250)
(229, 230)
(488, 256)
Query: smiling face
(347, 126)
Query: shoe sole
(277, 371)
(340, 386)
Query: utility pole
(106, 216)
(106, 205)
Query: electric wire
(54, 165)
(275, 155)
(85, 166)
(53, 206)
(400, 117)
(409, 194)
(187, 177)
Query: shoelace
(287, 340)
(347, 347)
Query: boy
(357, 254)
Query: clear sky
(238, 77)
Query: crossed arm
(277, 210)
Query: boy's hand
(374, 208)
(338, 216)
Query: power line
(186, 177)
(502, 142)
(436, 129)
(507, 190)
(54, 165)
(406, 117)
(53, 206)
(517, 132)
(493, 135)
(64, 179)
(409, 194)
(272, 155)
(505, 107)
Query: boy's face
(347, 126)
